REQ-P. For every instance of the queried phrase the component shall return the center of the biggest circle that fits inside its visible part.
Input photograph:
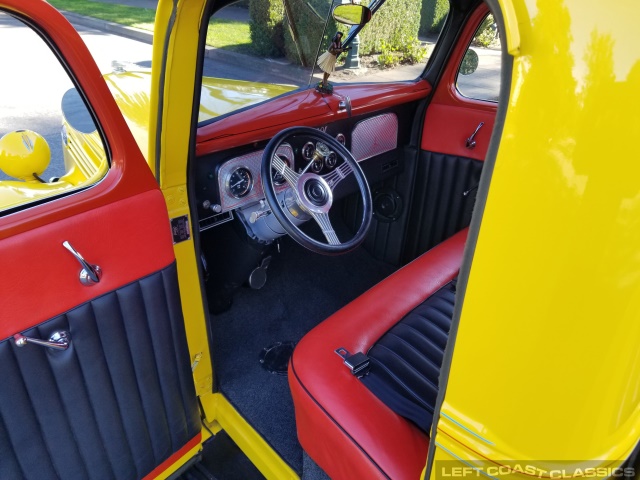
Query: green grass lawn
(226, 34)
(230, 35)
(122, 14)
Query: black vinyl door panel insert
(116, 404)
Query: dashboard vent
(215, 220)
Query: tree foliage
(266, 27)
(432, 16)
(394, 25)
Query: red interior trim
(447, 127)
(174, 458)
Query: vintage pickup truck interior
(239, 271)
(395, 175)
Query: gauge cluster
(327, 160)
(228, 183)
(239, 181)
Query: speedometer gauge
(239, 182)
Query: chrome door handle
(471, 141)
(58, 340)
(89, 274)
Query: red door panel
(447, 128)
(448, 172)
(128, 239)
(452, 118)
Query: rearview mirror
(350, 14)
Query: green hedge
(395, 24)
(432, 16)
(266, 27)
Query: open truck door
(96, 371)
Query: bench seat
(347, 430)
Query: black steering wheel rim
(277, 210)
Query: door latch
(471, 141)
(90, 274)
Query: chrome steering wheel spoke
(290, 176)
(339, 174)
(325, 224)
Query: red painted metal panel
(308, 108)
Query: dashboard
(232, 181)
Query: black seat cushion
(406, 361)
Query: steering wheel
(313, 193)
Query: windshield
(259, 50)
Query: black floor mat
(222, 459)
(303, 289)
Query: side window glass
(394, 46)
(49, 144)
(479, 73)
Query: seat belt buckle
(358, 363)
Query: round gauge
(341, 139)
(322, 149)
(308, 150)
(278, 179)
(239, 182)
(316, 166)
(331, 160)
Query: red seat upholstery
(344, 427)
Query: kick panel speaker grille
(116, 404)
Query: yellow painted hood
(218, 97)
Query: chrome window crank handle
(58, 340)
(90, 274)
